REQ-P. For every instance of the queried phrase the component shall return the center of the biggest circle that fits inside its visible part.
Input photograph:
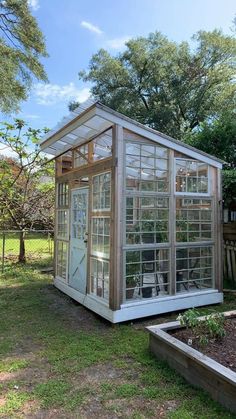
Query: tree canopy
(168, 86)
(21, 47)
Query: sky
(74, 30)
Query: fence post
(49, 242)
(3, 250)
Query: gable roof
(92, 117)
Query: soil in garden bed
(222, 350)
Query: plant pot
(129, 294)
(147, 292)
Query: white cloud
(117, 43)
(50, 94)
(29, 116)
(34, 4)
(7, 151)
(91, 27)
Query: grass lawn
(59, 360)
(37, 245)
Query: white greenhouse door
(78, 239)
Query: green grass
(35, 244)
(57, 355)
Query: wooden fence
(230, 260)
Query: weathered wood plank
(196, 368)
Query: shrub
(211, 327)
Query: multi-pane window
(62, 230)
(194, 268)
(101, 236)
(62, 224)
(193, 219)
(146, 168)
(81, 156)
(61, 258)
(99, 278)
(147, 273)
(191, 176)
(100, 233)
(62, 195)
(147, 219)
(79, 216)
(102, 192)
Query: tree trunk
(21, 257)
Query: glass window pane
(147, 220)
(101, 236)
(194, 269)
(102, 192)
(62, 223)
(191, 176)
(99, 278)
(62, 195)
(81, 156)
(61, 259)
(193, 220)
(147, 273)
(146, 168)
(102, 146)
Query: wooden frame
(197, 368)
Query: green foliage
(211, 327)
(168, 86)
(73, 105)
(218, 137)
(27, 192)
(21, 47)
(229, 186)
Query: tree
(21, 47)
(218, 138)
(73, 105)
(27, 187)
(168, 86)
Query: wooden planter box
(198, 369)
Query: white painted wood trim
(143, 308)
(86, 300)
(166, 305)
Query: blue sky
(75, 29)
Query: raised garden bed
(197, 368)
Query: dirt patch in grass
(222, 350)
(74, 314)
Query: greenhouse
(138, 217)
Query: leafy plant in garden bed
(212, 327)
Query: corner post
(219, 231)
(117, 197)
